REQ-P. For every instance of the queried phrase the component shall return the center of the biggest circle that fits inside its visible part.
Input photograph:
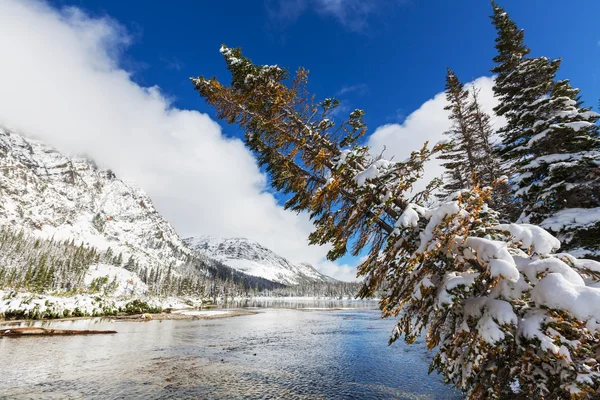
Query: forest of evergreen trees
(41, 265)
(47, 265)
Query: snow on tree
(508, 314)
(469, 159)
(494, 172)
(462, 158)
(551, 140)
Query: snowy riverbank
(25, 305)
(15, 305)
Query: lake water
(300, 353)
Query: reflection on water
(278, 353)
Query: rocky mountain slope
(50, 195)
(254, 259)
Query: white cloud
(61, 82)
(359, 88)
(427, 123)
(353, 15)
(342, 272)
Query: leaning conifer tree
(550, 140)
(493, 299)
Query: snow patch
(555, 291)
(128, 283)
(572, 217)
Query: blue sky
(393, 53)
(388, 57)
(110, 79)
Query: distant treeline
(45, 265)
(49, 265)
(336, 290)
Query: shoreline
(22, 307)
(162, 316)
(180, 316)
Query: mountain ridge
(252, 258)
(51, 195)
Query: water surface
(303, 353)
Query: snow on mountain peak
(252, 258)
(50, 195)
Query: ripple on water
(276, 354)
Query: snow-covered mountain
(254, 259)
(50, 195)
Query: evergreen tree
(479, 121)
(130, 265)
(461, 156)
(470, 161)
(550, 140)
(449, 269)
(494, 172)
(118, 260)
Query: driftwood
(42, 331)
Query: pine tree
(460, 157)
(307, 155)
(479, 121)
(470, 160)
(494, 173)
(449, 270)
(118, 260)
(130, 265)
(550, 140)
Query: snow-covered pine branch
(506, 311)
